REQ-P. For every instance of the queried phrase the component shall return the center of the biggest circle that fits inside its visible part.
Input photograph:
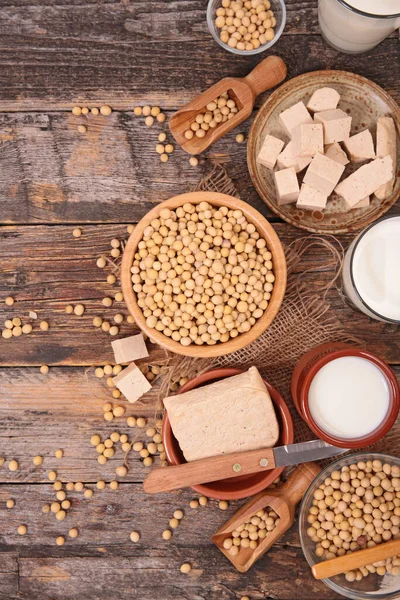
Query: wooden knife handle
(358, 559)
(206, 470)
(267, 74)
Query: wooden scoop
(282, 500)
(267, 74)
(355, 560)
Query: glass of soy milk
(371, 271)
(354, 26)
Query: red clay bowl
(381, 430)
(233, 488)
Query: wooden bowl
(279, 269)
(233, 488)
(365, 102)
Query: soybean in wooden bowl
(265, 231)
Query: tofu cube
(336, 152)
(294, 116)
(269, 152)
(386, 145)
(336, 124)
(323, 174)
(360, 147)
(311, 199)
(132, 383)
(308, 139)
(287, 186)
(130, 348)
(366, 180)
(362, 204)
(287, 159)
(325, 98)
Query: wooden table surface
(55, 54)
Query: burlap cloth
(302, 323)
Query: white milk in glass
(371, 271)
(349, 397)
(357, 25)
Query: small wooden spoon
(267, 74)
(282, 500)
(355, 560)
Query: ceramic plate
(365, 102)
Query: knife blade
(216, 468)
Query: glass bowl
(279, 8)
(371, 587)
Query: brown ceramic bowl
(361, 98)
(381, 430)
(304, 365)
(233, 488)
(279, 268)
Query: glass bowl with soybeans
(354, 503)
(246, 27)
(203, 274)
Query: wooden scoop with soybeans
(263, 520)
(224, 106)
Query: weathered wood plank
(124, 76)
(52, 173)
(8, 576)
(45, 268)
(40, 413)
(130, 47)
(104, 563)
(157, 575)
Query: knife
(216, 468)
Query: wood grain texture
(103, 563)
(45, 268)
(54, 54)
(130, 47)
(41, 413)
(112, 173)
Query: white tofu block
(386, 145)
(288, 159)
(308, 139)
(132, 383)
(366, 180)
(235, 414)
(311, 199)
(129, 349)
(360, 147)
(294, 116)
(336, 152)
(362, 204)
(323, 174)
(325, 98)
(336, 124)
(287, 186)
(269, 152)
